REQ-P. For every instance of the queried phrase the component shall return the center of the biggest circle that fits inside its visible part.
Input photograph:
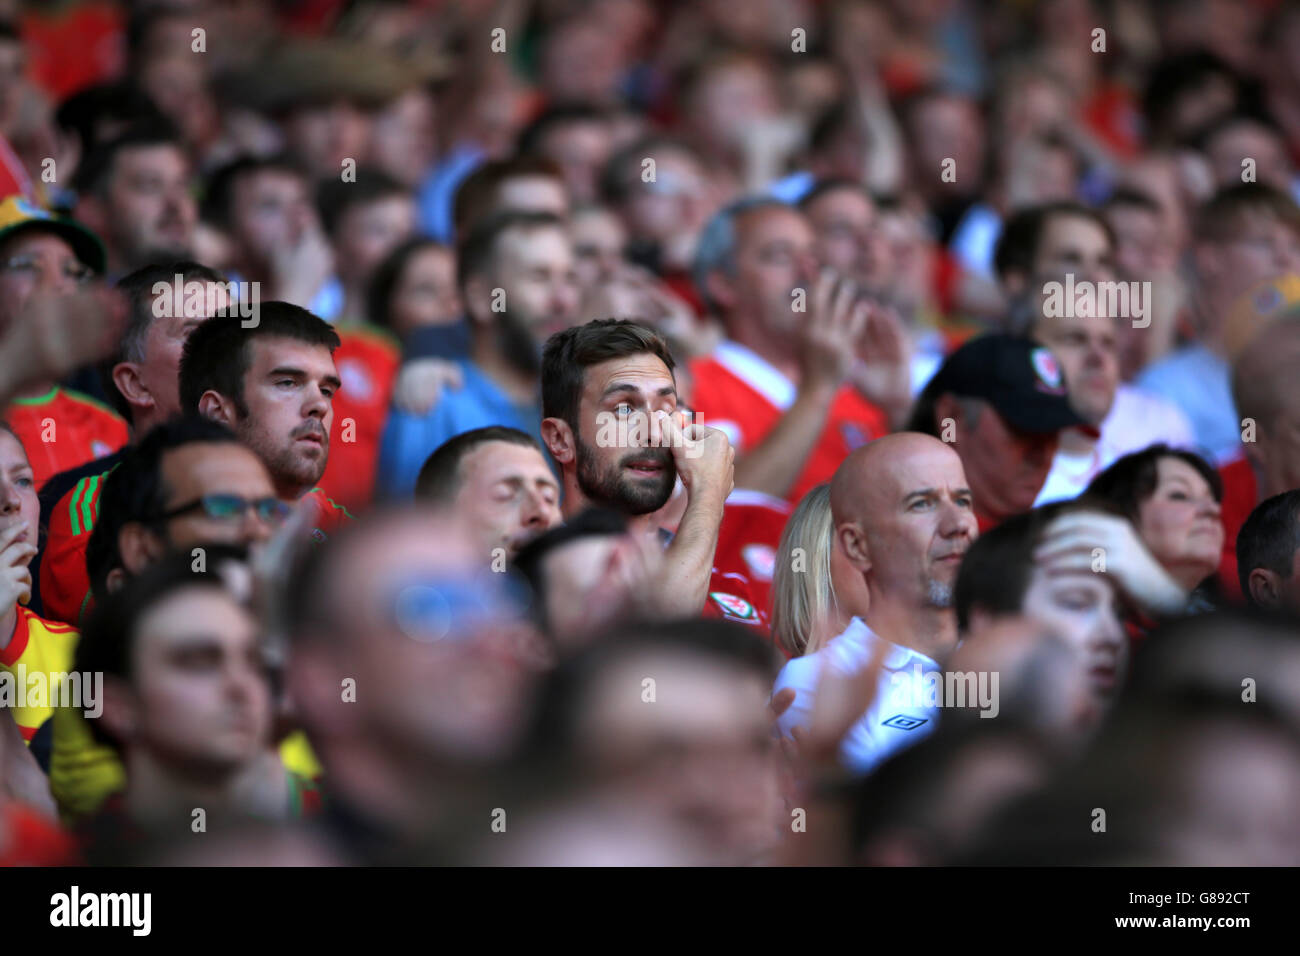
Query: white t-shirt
(898, 717)
(1137, 418)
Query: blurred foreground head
(1198, 765)
(402, 644)
(187, 699)
(657, 729)
(1001, 582)
(587, 574)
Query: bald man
(903, 517)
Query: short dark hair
(622, 173)
(219, 194)
(384, 280)
(1132, 479)
(108, 639)
(96, 170)
(1220, 217)
(1127, 197)
(477, 195)
(1175, 76)
(1018, 245)
(134, 490)
(82, 113)
(216, 356)
(138, 289)
(531, 560)
(440, 479)
(477, 249)
(1269, 538)
(831, 185)
(553, 737)
(568, 355)
(334, 197)
(554, 117)
(996, 569)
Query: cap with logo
(1018, 377)
(20, 215)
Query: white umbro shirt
(898, 717)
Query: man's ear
(1207, 260)
(560, 440)
(721, 288)
(851, 539)
(139, 547)
(126, 376)
(119, 711)
(1264, 588)
(478, 295)
(315, 691)
(218, 408)
(1015, 282)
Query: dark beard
(610, 488)
(517, 344)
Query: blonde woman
(815, 592)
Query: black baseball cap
(1017, 376)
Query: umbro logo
(903, 722)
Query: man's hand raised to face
(54, 335)
(704, 457)
(830, 334)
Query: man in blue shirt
(1244, 236)
(517, 279)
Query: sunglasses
(435, 609)
(232, 508)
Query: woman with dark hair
(1172, 497)
(413, 294)
(414, 288)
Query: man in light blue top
(904, 517)
(1244, 236)
(516, 275)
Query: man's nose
(533, 512)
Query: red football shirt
(751, 528)
(1240, 495)
(731, 599)
(63, 429)
(65, 584)
(744, 396)
(330, 515)
(367, 360)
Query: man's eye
(198, 660)
(623, 408)
(965, 501)
(25, 482)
